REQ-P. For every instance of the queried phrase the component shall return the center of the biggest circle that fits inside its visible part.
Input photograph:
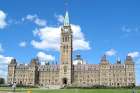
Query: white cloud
(1, 49)
(2, 20)
(4, 61)
(36, 20)
(60, 18)
(22, 44)
(43, 57)
(50, 38)
(134, 54)
(128, 29)
(40, 22)
(31, 17)
(111, 52)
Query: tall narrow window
(64, 49)
(63, 39)
(65, 69)
(68, 39)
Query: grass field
(86, 91)
(36, 90)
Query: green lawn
(36, 90)
(86, 91)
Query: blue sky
(103, 26)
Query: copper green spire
(66, 19)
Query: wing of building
(72, 72)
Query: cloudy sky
(30, 28)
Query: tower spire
(66, 19)
(118, 60)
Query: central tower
(66, 52)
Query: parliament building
(71, 72)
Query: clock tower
(66, 52)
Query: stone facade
(22, 73)
(66, 53)
(72, 72)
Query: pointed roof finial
(103, 58)
(118, 60)
(129, 58)
(66, 19)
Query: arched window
(63, 39)
(65, 69)
(64, 49)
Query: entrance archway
(64, 80)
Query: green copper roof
(66, 19)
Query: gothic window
(65, 69)
(68, 39)
(67, 49)
(130, 74)
(63, 48)
(63, 39)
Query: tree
(2, 80)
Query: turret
(78, 60)
(13, 62)
(129, 60)
(34, 70)
(66, 19)
(118, 60)
(104, 71)
(66, 50)
(34, 62)
(104, 60)
(11, 71)
(130, 71)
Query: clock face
(66, 30)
